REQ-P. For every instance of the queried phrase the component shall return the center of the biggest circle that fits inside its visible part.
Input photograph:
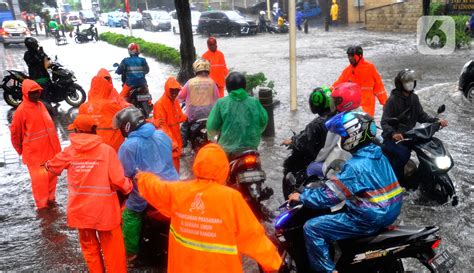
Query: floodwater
(42, 241)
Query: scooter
(63, 86)
(381, 252)
(87, 35)
(198, 134)
(435, 161)
(246, 175)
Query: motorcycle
(246, 176)
(87, 35)
(435, 161)
(274, 28)
(198, 134)
(381, 252)
(60, 39)
(63, 86)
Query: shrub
(437, 9)
(157, 51)
(463, 39)
(257, 80)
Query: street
(42, 242)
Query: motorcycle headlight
(73, 77)
(443, 162)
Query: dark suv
(225, 22)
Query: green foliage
(257, 80)
(437, 9)
(463, 39)
(160, 52)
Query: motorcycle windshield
(424, 131)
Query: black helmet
(320, 100)
(234, 81)
(406, 80)
(355, 50)
(31, 43)
(128, 120)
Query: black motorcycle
(86, 35)
(198, 134)
(63, 86)
(381, 252)
(246, 175)
(435, 161)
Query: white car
(194, 21)
(104, 19)
(74, 19)
(13, 32)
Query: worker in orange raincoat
(34, 137)
(211, 224)
(102, 104)
(366, 76)
(167, 116)
(94, 175)
(219, 69)
(114, 95)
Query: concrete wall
(398, 17)
(353, 10)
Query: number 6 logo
(436, 35)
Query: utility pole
(269, 11)
(293, 91)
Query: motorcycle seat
(392, 232)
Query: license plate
(143, 97)
(442, 262)
(15, 34)
(251, 176)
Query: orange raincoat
(34, 137)
(167, 116)
(102, 104)
(219, 69)
(366, 76)
(94, 175)
(114, 95)
(211, 224)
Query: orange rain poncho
(102, 104)
(34, 137)
(167, 116)
(219, 69)
(366, 76)
(211, 224)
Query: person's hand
(286, 142)
(294, 197)
(397, 137)
(443, 122)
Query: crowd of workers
(115, 148)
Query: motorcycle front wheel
(76, 95)
(77, 39)
(10, 97)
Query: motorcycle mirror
(55, 58)
(115, 65)
(393, 121)
(441, 109)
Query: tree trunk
(186, 48)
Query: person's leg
(39, 185)
(52, 187)
(132, 225)
(91, 250)
(398, 155)
(113, 249)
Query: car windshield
(135, 15)
(162, 15)
(88, 14)
(233, 15)
(73, 17)
(13, 24)
(4, 7)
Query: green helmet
(320, 100)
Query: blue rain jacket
(146, 149)
(133, 69)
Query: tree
(186, 48)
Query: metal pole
(146, 4)
(269, 11)
(129, 24)
(291, 18)
(358, 8)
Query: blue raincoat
(372, 196)
(133, 70)
(146, 149)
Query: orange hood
(171, 83)
(211, 164)
(100, 88)
(103, 73)
(29, 86)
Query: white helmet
(262, 12)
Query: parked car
(136, 19)
(225, 22)
(13, 32)
(73, 19)
(194, 21)
(104, 19)
(154, 20)
(466, 80)
(87, 17)
(114, 19)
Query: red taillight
(436, 244)
(3, 32)
(250, 160)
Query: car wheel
(469, 93)
(234, 32)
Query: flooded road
(42, 242)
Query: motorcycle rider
(404, 105)
(146, 149)
(133, 70)
(239, 118)
(211, 224)
(366, 76)
(366, 184)
(38, 63)
(262, 22)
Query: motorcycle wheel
(10, 98)
(77, 40)
(443, 189)
(77, 96)
(288, 265)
